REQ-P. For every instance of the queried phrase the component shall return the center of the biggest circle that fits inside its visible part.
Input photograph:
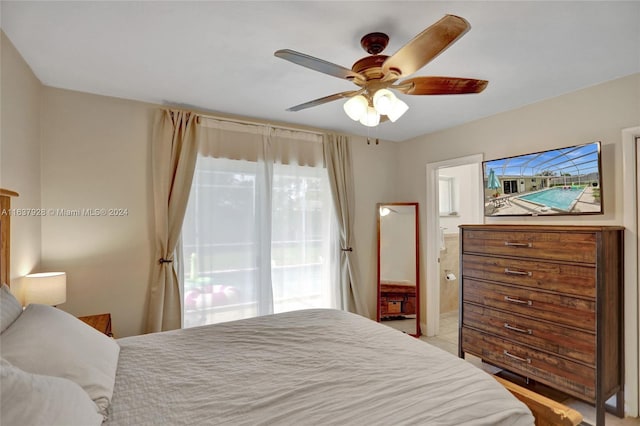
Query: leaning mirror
(398, 267)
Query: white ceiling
(218, 56)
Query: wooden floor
(448, 340)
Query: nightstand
(101, 322)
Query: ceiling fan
(376, 74)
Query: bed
(305, 367)
(312, 367)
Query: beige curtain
(337, 153)
(173, 152)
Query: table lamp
(46, 288)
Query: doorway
(454, 197)
(510, 186)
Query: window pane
(221, 242)
(300, 238)
(444, 190)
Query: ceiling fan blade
(324, 100)
(317, 64)
(441, 86)
(426, 46)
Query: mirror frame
(417, 244)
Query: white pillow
(32, 399)
(10, 308)
(45, 340)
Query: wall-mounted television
(563, 181)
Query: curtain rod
(256, 123)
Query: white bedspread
(315, 367)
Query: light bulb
(383, 101)
(371, 118)
(384, 211)
(356, 107)
(397, 110)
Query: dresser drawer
(571, 247)
(571, 343)
(558, 308)
(570, 377)
(570, 279)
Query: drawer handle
(517, 358)
(510, 244)
(512, 272)
(523, 302)
(519, 330)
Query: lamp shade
(356, 107)
(383, 101)
(47, 288)
(371, 118)
(398, 108)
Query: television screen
(563, 181)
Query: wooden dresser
(546, 302)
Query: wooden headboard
(5, 235)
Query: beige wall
(20, 92)
(96, 156)
(449, 263)
(374, 170)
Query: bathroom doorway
(454, 197)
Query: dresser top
(546, 228)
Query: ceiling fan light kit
(356, 107)
(369, 111)
(398, 109)
(377, 74)
(383, 101)
(371, 118)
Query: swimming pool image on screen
(562, 198)
(559, 181)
